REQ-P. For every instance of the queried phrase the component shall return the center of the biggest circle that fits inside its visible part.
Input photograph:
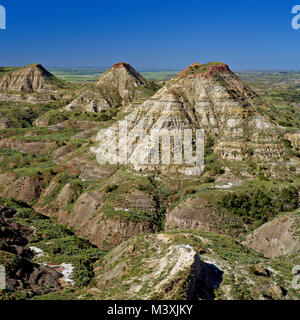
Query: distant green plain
(92, 74)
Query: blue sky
(161, 34)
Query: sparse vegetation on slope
(160, 233)
(58, 244)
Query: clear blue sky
(168, 34)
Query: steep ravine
(41, 257)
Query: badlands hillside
(32, 78)
(72, 228)
(118, 86)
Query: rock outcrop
(117, 87)
(12, 233)
(277, 237)
(121, 78)
(26, 189)
(32, 78)
(22, 275)
(87, 219)
(194, 214)
(208, 97)
(183, 265)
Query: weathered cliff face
(33, 78)
(123, 79)
(277, 237)
(26, 189)
(90, 100)
(196, 214)
(208, 97)
(182, 265)
(22, 274)
(88, 219)
(118, 86)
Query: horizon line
(175, 69)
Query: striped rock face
(32, 78)
(117, 87)
(207, 97)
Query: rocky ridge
(118, 86)
(32, 78)
(278, 237)
(183, 265)
(208, 97)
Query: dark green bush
(257, 205)
(209, 180)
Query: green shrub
(209, 180)
(110, 189)
(258, 205)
